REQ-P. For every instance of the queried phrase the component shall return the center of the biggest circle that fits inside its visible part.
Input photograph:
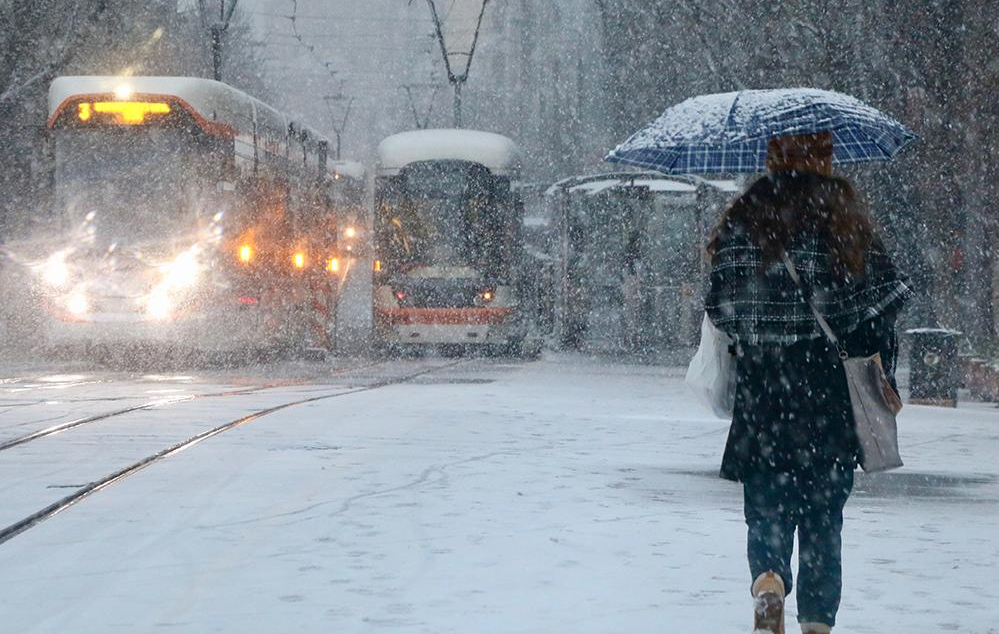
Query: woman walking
(791, 443)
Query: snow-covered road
(566, 495)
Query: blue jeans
(778, 504)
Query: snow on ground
(568, 495)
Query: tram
(449, 252)
(186, 212)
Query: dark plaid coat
(757, 306)
(792, 407)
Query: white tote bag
(711, 373)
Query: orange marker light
(378, 265)
(332, 265)
(298, 260)
(85, 111)
(245, 254)
(487, 296)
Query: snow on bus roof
(213, 100)
(495, 151)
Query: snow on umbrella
(729, 132)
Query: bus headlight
(56, 274)
(77, 304)
(159, 306)
(182, 272)
(55, 271)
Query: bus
(449, 254)
(186, 213)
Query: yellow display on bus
(122, 112)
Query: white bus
(187, 213)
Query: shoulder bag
(875, 403)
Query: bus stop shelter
(630, 260)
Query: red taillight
(247, 300)
(399, 295)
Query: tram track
(166, 400)
(9, 532)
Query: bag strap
(823, 324)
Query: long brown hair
(779, 207)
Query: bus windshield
(445, 214)
(139, 183)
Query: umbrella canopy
(729, 132)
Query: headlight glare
(159, 306)
(77, 304)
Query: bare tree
(927, 62)
(39, 38)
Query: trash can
(934, 374)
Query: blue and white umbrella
(729, 132)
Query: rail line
(86, 491)
(86, 420)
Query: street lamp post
(339, 125)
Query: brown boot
(768, 596)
